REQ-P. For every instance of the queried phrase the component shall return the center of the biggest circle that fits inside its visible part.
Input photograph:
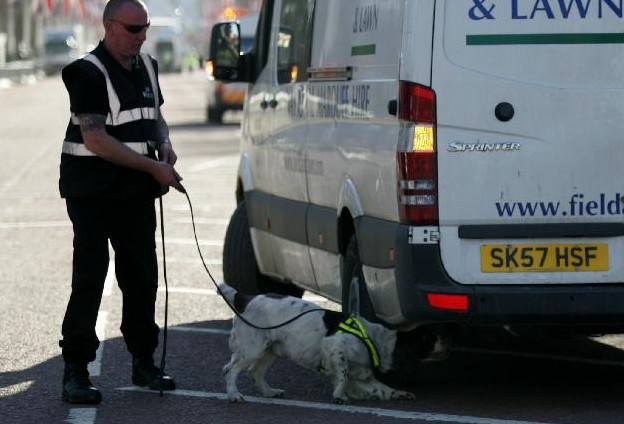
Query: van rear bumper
(419, 271)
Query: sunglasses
(133, 29)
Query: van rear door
(530, 98)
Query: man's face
(126, 32)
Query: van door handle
(273, 103)
(264, 104)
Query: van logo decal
(366, 18)
(509, 39)
(363, 50)
(550, 10)
(479, 11)
(460, 146)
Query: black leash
(164, 348)
(214, 282)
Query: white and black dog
(310, 341)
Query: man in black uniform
(116, 160)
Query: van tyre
(240, 269)
(214, 115)
(355, 298)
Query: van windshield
(563, 43)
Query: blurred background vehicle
(220, 96)
(61, 46)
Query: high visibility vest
(116, 116)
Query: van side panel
(352, 137)
(417, 38)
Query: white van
(432, 161)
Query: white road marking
(351, 409)
(208, 221)
(82, 415)
(215, 163)
(184, 329)
(15, 389)
(95, 367)
(187, 260)
(190, 290)
(36, 224)
(190, 242)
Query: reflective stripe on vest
(79, 149)
(116, 115)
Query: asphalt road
(492, 377)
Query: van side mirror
(225, 51)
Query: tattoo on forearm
(92, 122)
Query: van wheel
(355, 297)
(240, 269)
(214, 114)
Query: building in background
(25, 23)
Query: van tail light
(416, 155)
(451, 302)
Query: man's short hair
(113, 6)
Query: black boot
(146, 374)
(76, 385)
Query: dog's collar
(354, 326)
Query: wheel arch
(349, 209)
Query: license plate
(544, 257)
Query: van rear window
(558, 43)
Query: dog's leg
(336, 365)
(372, 388)
(257, 373)
(231, 371)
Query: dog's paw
(274, 393)
(401, 395)
(235, 398)
(341, 400)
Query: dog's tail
(228, 292)
(235, 298)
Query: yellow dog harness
(354, 326)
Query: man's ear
(107, 26)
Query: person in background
(116, 159)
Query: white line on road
(190, 290)
(216, 162)
(190, 242)
(187, 260)
(380, 412)
(95, 367)
(82, 416)
(184, 329)
(36, 224)
(208, 221)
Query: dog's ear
(241, 300)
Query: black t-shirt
(86, 86)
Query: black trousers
(130, 225)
